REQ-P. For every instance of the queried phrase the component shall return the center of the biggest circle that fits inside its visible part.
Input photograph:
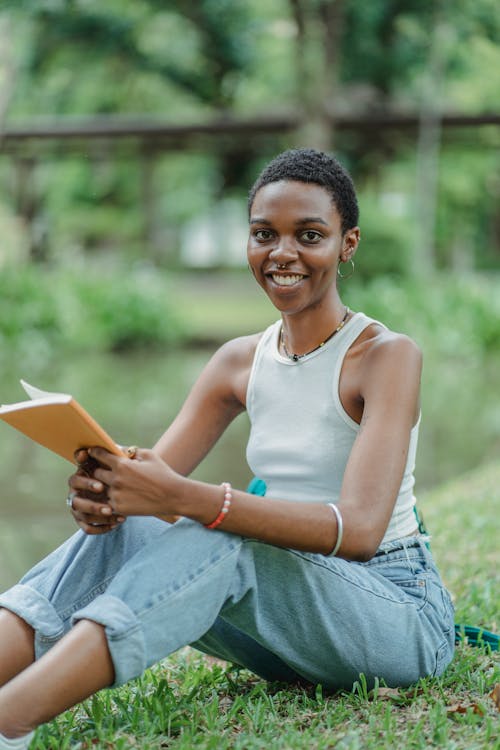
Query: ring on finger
(69, 499)
(132, 451)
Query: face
(296, 224)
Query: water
(136, 397)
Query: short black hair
(310, 165)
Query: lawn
(190, 701)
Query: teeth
(286, 280)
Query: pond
(135, 397)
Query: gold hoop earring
(347, 275)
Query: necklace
(296, 357)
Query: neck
(303, 333)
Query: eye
(263, 235)
(311, 236)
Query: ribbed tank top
(300, 435)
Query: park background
(130, 133)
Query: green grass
(190, 701)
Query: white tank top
(301, 436)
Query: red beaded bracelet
(228, 498)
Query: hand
(140, 486)
(90, 507)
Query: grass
(191, 701)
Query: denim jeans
(286, 615)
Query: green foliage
(135, 311)
(388, 241)
(456, 316)
(44, 312)
(467, 217)
(92, 206)
(206, 53)
(26, 305)
(29, 320)
(385, 41)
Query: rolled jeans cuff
(38, 612)
(124, 634)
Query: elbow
(364, 554)
(356, 551)
(364, 545)
(362, 536)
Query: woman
(324, 578)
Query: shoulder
(238, 352)
(390, 369)
(385, 347)
(377, 344)
(380, 361)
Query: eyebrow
(313, 220)
(306, 220)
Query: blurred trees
(186, 61)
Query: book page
(37, 392)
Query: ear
(350, 244)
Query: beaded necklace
(296, 357)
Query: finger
(86, 507)
(80, 455)
(104, 476)
(87, 465)
(136, 454)
(104, 457)
(83, 482)
(89, 488)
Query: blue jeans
(286, 615)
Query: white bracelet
(340, 529)
(228, 498)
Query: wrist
(199, 501)
(178, 504)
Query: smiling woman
(297, 585)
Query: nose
(285, 251)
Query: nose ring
(281, 265)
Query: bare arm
(217, 397)
(391, 392)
